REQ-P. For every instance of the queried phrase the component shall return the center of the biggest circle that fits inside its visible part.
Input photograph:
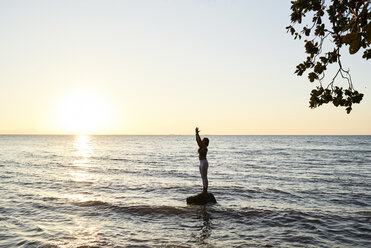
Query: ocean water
(130, 191)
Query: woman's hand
(197, 130)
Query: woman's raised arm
(198, 138)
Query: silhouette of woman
(204, 165)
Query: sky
(162, 67)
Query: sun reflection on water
(82, 233)
(82, 153)
(83, 150)
(77, 197)
(80, 177)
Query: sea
(130, 191)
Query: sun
(83, 112)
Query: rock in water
(201, 199)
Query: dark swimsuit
(202, 151)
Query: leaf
(323, 59)
(348, 92)
(349, 38)
(367, 54)
(312, 76)
(368, 32)
(355, 44)
(348, 109)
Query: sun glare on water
(83, 113)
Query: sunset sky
(162, 67)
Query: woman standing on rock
(202, 151)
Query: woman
(202, 151)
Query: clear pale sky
(162, 67)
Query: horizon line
(46, 134)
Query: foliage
(349, 25)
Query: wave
(311, 221)
(91, 203)
(139, 210)
(116, 159)
(365, 212)
(34, 243)
(189, 210)
(121, 159)
(151, 210)
(80, 182)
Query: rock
(201, 199)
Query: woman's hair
(206, 141)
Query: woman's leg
(203, 170)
